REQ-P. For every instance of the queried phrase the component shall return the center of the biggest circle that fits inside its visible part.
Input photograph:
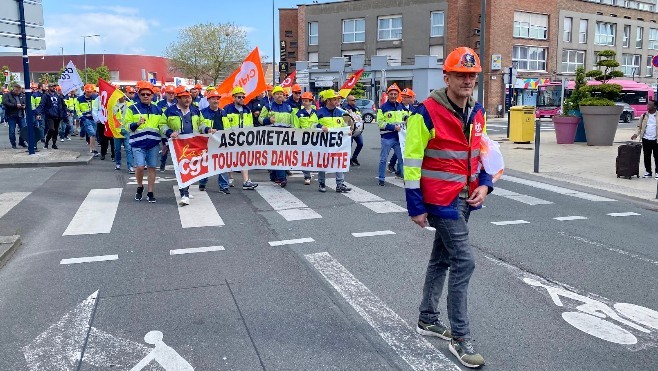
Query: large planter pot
(565, 128)
(601, 124)
(580, 132)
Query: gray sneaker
(438, 329)
(249, 185)
(465, 352)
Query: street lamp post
(61, 47)
(84, 50)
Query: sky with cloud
(146, 26)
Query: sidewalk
(73, 152)
(578, 163)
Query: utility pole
(31, 142)
(483, 27)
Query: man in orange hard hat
(195, 92)
(444, 181)
(390, 117)
(295, 99)
(409, 103)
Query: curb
(83, 161)
(8, 245)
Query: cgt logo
(193, 157)
(477, 127)
(247, 77)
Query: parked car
(628, 114)
(367, 108)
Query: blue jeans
(359, 145)
(279, 175)
(146, 157)
(222, 181)
(89, 126)
(453, 252)
(64, 129)
(13, 122)
(322, 175)
(117, 151)
(387, 145)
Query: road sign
(654, 61)
(14, 28)
(14, 41)
(33, 12)
(60, 346)
(153, 81)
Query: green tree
(208, 50)
(93, 74)
(359, 90)
(606, 93)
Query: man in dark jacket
(14, 104)
(53, 108)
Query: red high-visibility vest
(450, 161)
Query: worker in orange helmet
(409, 103)
(295, 99)
(444, 182)
(195, 92)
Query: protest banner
(198, 156)
(109, 95)
(70, 80)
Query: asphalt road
(334, 302)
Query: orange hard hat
(462, 59)
(130, 89)
(393, 87)
(89, 88)
(269, 87)
(170, 89)
(198, 86)
(307, 95)
(144, 85)
(408, 92)
(156, 89)
(296, 88)
(181, 91)
(213, 94)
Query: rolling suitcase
(628, 160)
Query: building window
(293, 44)
(572, 59)
(437, 24)
(114, 76)
(394, 55)
(312, 60)
(627, 36)
(288, 33)
(313, 33)
(354, 30)
(566, 36)
(649, 66)
(582, 33)
(529, 58)
(630, 64)
(653, 38)
(605, 33)
(530, 25)
(639, 35)
(291, 55)
(438, 51)
(389, 28)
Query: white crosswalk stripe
(9, 200)
(200, 212)
(519, 197)
(96, 213)
(285, 203)
(367, 199)
(556, 189)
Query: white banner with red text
(197, 156)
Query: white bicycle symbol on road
(597, 319)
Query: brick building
(545, 40)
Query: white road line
(285, 203)
(10, 199)
(613, 249)
(291, 242)
(89, 259)
(200, 212)
(556, 189)
(630, 213)
(520, 197)
(96, 213)
(194, 250)
(367, 199)
(568, 218)
(371, 234)
(413, 348)
(394, 180)
(511, 222)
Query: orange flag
(249, 76)
(350, 83)
(109, 95)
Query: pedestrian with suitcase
(646, 129)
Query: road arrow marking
(59, 348)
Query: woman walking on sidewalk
(646, 129)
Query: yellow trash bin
(522, 124)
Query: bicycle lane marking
(613, 249)
(621, 323)
(411, 347)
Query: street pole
(84, 51)
(483, 25)
(61, 47)
(31, 142)
(508, 99)
(273, 49)
(537, 140)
